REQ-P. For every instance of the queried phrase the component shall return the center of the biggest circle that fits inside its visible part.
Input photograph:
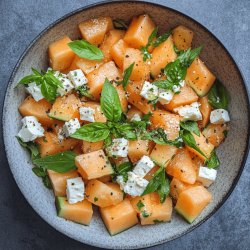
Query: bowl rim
(107, 2)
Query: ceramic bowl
(232, 153)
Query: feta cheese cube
(149, 91)
(87, 114)
(135, 185)
(206, 176)
(77, 77)
(35, 91)
(182, 83)
(165, 96)
(118, 148)
(136, 118)
(143, 166)
(120, 181)
(75, 190)
(176, 88)
(189, 112)
(61, 135)
(31, 129)
(219, 116)
(71, 126)
(67, 85)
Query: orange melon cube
(122, 96)
(117, 52)
(59, 181)
(110, 39)
(60, 54)
(141, 70)
(192, 201)
(40, 109)
(185, 97)
(139, 31)
(161, 56)
(94, 30)
(119, 217)
(205, 109)
(93, 165)
(182, 37)
(97, 77)
(80, 212)
(137, 149)
(134, 97)
(166, 120)
(199, 77)
(98, 115)
(103, 194)
(142, 204)
(105, 179)
(182, 167)
(88, 147)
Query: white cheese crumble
(149, 91)
(165, 96)
(118, 148)
(77, 77)
(75, 190)
(71, 126)
(135, 185)
(143, 166)
(120, 181)
(67, 85)
(206, 176)
(135, 117)
(176, 88)
(31, 129)
(219, 116)
(35, 91)
(87, 114)
(190, 112)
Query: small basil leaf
(49, 91)
(47, 182)
(213, 161)
(126, 130)
(28, 79)
(152, 36)
(188, 56)
(140, 205)
(83, 91)
(93, 132)
(38, 171)
(164, 188)
(164, 84)
(31, 146)
(162, 38)
(86, 50)
(145, 53)
(110, 102)
(191, 126)
(60, 163)
(127, 74)
(120, 24)
(124, 167)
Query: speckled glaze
(232, 153)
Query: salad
(126, 120)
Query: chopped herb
(140, 205)
(157, 221)
(120, 24)
(145, 214)
(95, 199)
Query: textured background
(20, 226)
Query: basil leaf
(123, 170)
(146, 117)
(144, 214)
(84, 91)
(145, 53)
(38, 171)
(218, 96)
(107, 141)
(213, 162)
(60, 163)
(126, 130)
(191, 126)
(31, 146)
(164, 188)
(47, 182)
(164, 84)
(161, 39)
(110, 102)
(86, 50)
(28, 79)
(188, 56)
(49, 91)
(93, 132)
(127, 74)
(120, 24)
(152, 36)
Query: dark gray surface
(20, 226)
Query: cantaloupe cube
(139, 31)
(60, 54)
(110, 39)
(105, 179)
(97, 77)
(161, 56)
(162, 154)
(182, 37)
(119, 217)
(137, 149)
(50, 144)
(205, 109)
(65, 108)
(80, 212)
(199, 77)
(93, 165)
(59, 181)
(122, 96)
(133, 111)
(134, 97)
(88, 147)
(142, 204)
(185, 97)
(94, 30)
(181, 167)
(117, 52)
(166, 120)
(215, 133)
(141, 70)
(98, 115)
(103, 194)
(29, 107)
(204, 145)
(192, 201)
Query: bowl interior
(231, 153)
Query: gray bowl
(233, 152)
